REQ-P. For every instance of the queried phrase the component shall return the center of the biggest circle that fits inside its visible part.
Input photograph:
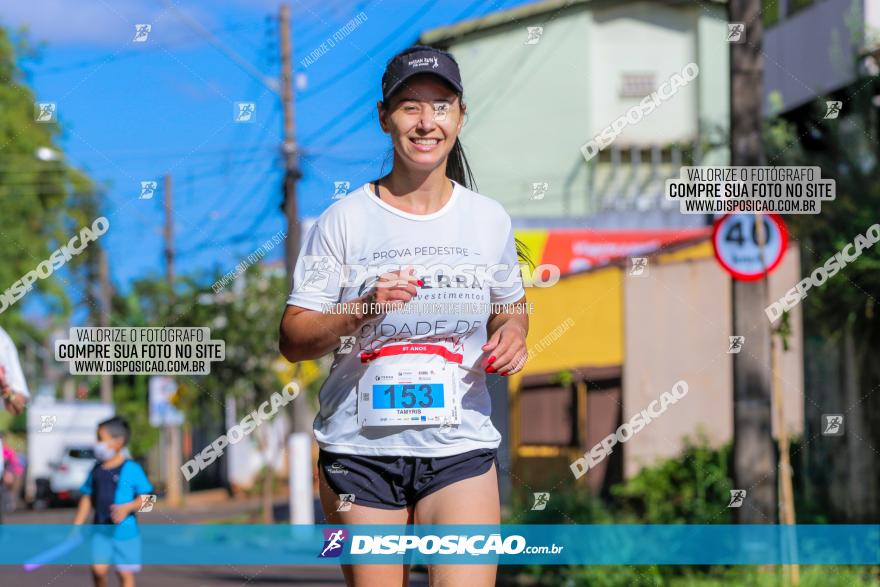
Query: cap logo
(424, 61)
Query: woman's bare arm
(309, 334)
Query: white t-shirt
(453, 244)
(14, 375)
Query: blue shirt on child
(121, 484)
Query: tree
(753, 450)
(43, 203)
(245, 315)
(843, 311)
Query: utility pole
(302, 416)
(753, 450)
(172, 433)
(300, 442)
(169, 236)
(105, 295)
(289, 148)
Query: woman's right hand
(391, 292)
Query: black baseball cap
(420, 59)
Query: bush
(691, 489)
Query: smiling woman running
(404, 423)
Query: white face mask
(104, 452)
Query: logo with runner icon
(334, 542)
(317, 273)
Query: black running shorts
(391, 483)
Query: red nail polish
(492, 358)
(490, 369)
(420, 282)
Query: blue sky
(133, 111)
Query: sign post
(164, 415)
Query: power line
(270, 83)
(248, 232)
(336, 158)
(472, 7)
(175, 44)
(378, 48)
(210, 172)
(178, 155)
(247, 193)
(244, 193)
(245, 156)
(322, 35)
(334, 121)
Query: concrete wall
(677, 320)
(649, 38)
(713, 56)
(528, 107)
(532, 107)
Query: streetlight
(47, 154)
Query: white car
(70, 472)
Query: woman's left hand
(507, 349)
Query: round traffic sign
(735, 241)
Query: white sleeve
(510, 286)
(317, 276)
(9, 362)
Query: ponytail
(457, 167)
(459, 170)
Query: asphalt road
(217, 575)
(174, 576)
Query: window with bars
(637, 84)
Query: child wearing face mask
(116, 488)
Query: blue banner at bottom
(34, 545)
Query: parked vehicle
(70, 473)
(54, 428)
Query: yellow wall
(593, 301)
(590, 305)
(701, 250)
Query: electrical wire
(246, 66)
(175, 44)
(380, 47)
(358, 102)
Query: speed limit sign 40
(735, 241)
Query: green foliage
(850, 156)
(564, 378)
(42, 203)
(811, 576)
(753, 576)
(574, 506)
(247, 319)
(130, 398)
(611, 576)
(691, 489)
